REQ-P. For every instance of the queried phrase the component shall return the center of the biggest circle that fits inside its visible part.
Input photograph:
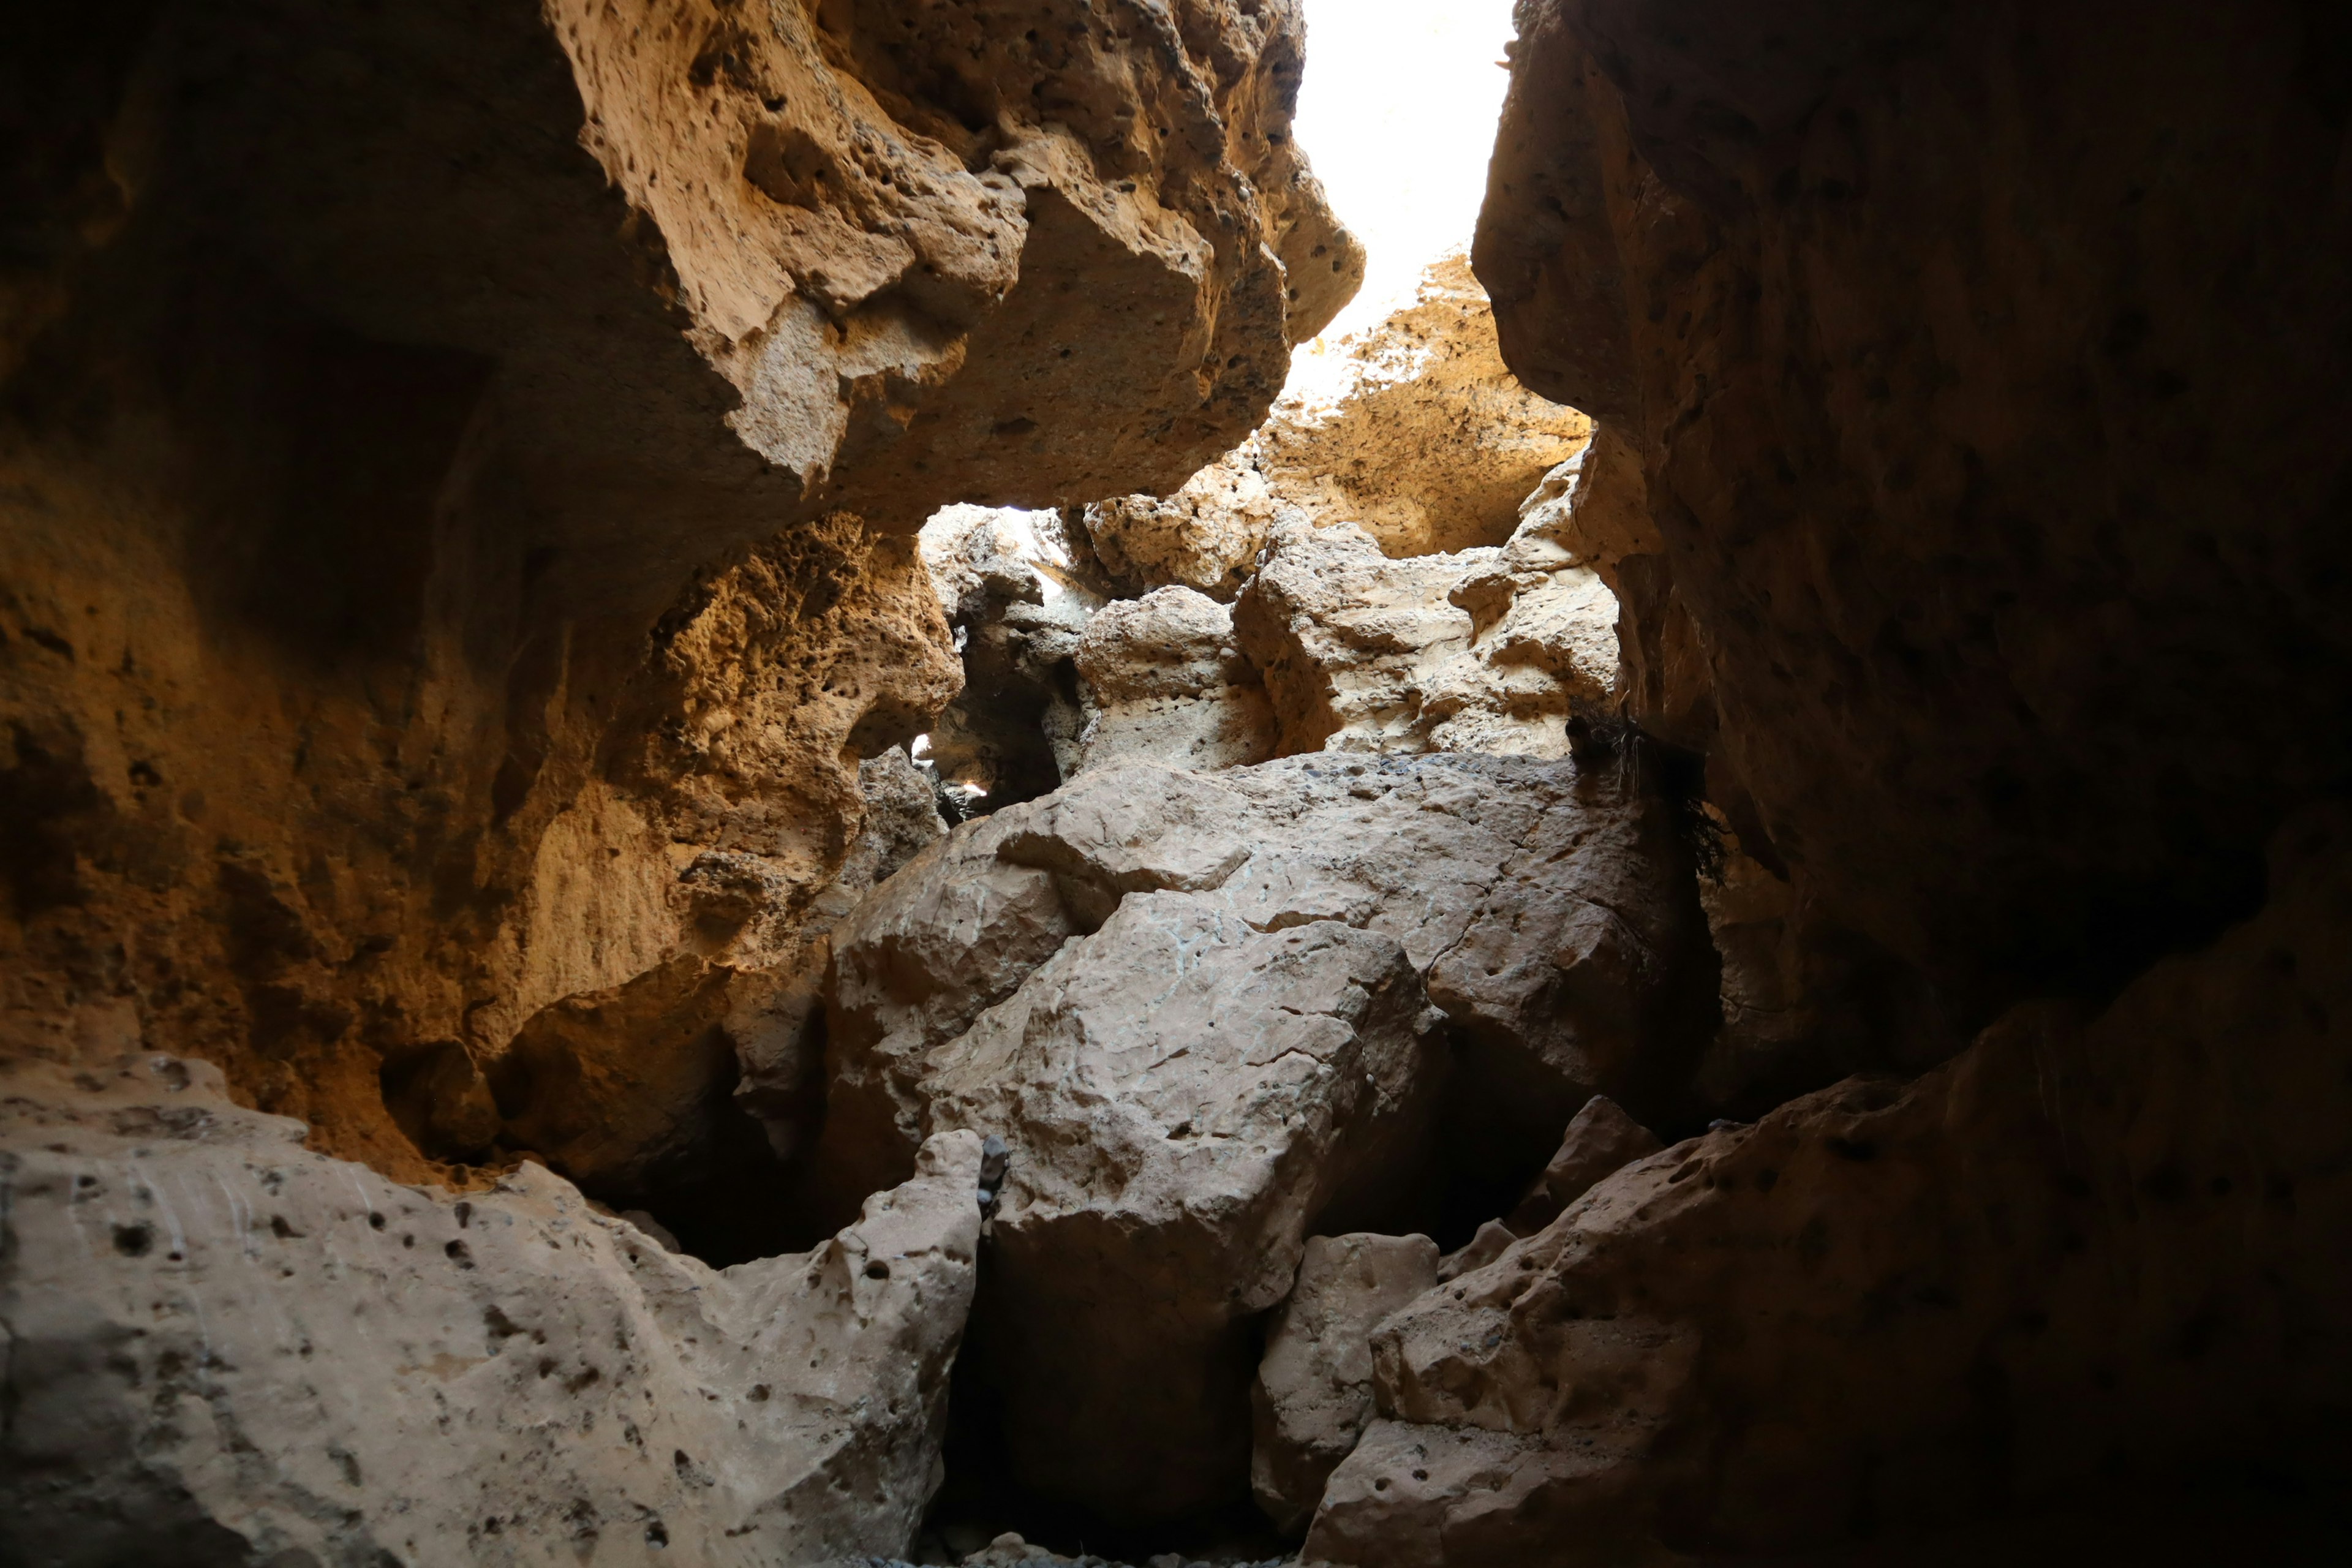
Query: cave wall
(1987, 370)
(461, 464)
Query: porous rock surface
(1488, 650)
(1164, 680)
(224, 1348)
(1314, 1389)
(460, 464)
(1424, 440)
(1197, 1007)
(2089, 1245)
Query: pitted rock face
(1312, 1395)
(1165, 682)
(1491, 650)
(521, 470)
(2110, 1220)
(220, 1341)
(1424, 440)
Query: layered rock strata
(222, 1347)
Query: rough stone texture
(1422, 438)
(1488, 650)
(433, 442)
(1988, 366)
(1206, 535)
(1019, 607)
(2089, 1248)
(1600, 1141)
(1428, 443)
(1173, 1085)
(1314, 1389)
(1164, 681)
(1187, 1097)
(222, 1348)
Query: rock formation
(459, 466)
(1164, 680)
(1489, 650)
(1974, 474)
(1314, 1389)
(689, 634)
(1198, 1009)
(2086, 1244)
(1422, 440)
(225, 1348)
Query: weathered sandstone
(2090, 1247)
(1488, 650)
(1314, 1389)
(459, 467)
(1987, 368)
(1422, 439)
(222, 1347)
(1194, 1006)
(1164, 680)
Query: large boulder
(1488, 650)
(1196, 1006)
(1187, 1097)
(1164, 681)
(224, 1348)
(2092, 1248)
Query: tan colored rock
(1428, 442)
(1206, 535)
(1542, 900)
(2088, 1244)
(1417, 434)
(219, 1339)
(1166, 682)
(622, 346)
(956, 932)
(1314, 1389)
(1599, 1142)
(1488, 650)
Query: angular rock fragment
(219, 1342)
(1314, 1389)
(1601, 1140)
(1164, 681)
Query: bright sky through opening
(1398, 117)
